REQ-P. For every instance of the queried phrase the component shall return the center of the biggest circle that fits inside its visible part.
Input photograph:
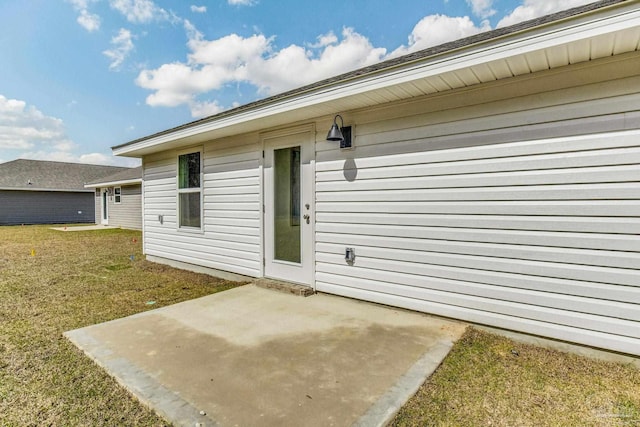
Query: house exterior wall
(521, 213)
(514, 204)
(45, 207)
(231, 235)
(127, 213)
(98, 206)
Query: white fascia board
(487, 53)
(115, 183)
(509, 46)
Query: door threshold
(288, 287)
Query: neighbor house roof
(125, 177)
(39, 175)
(581, 34)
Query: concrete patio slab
(254, 357)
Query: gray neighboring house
(44, 192)
(118, 199)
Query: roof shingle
(25, 174)
(129, 175)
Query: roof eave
(278, 110)
(114, 183)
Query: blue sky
(79, 76)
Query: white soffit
(599, 34)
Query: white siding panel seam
(527, 311)
(400, 246)
(554, 270)
(572, 162)
(423, 272)
(232, 255)
(572, 303)
(557, 239)
(489, 222)
(206, 262)
(238, 249)
(211, 257)
(538, 147)
(575, 176)
(606, 208)
(561, 332)
(616, 191)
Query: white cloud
(434, 30)
(242, 2)
(79, 4)
(212, 64)
(198, 9)
(295, 66)
(482, 8)
(64, 145)
(204, 109)
(37, 136)
(140, 11)
(324, 40)
(23, 127)
(89, 21)
(531, 9)
(122, 46)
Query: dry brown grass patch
(51, 282)
(489, 380)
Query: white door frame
(303, 272)
(104, 206)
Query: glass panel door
(105, 207)
(286, 164)
(288, 205)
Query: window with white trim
(190, 190)
(117, 195)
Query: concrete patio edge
(382, 412)
(146, 389)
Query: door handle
(306, 217)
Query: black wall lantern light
(341, 134)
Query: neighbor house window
(189, 190)
(117, 195)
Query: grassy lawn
(489, 380)
(51, 282)
(71, 280)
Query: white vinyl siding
(231, 211)
(98, 206)
(127, 213)
(522, 214)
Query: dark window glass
(190, 210)
(189, 170)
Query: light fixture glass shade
(334, 133)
